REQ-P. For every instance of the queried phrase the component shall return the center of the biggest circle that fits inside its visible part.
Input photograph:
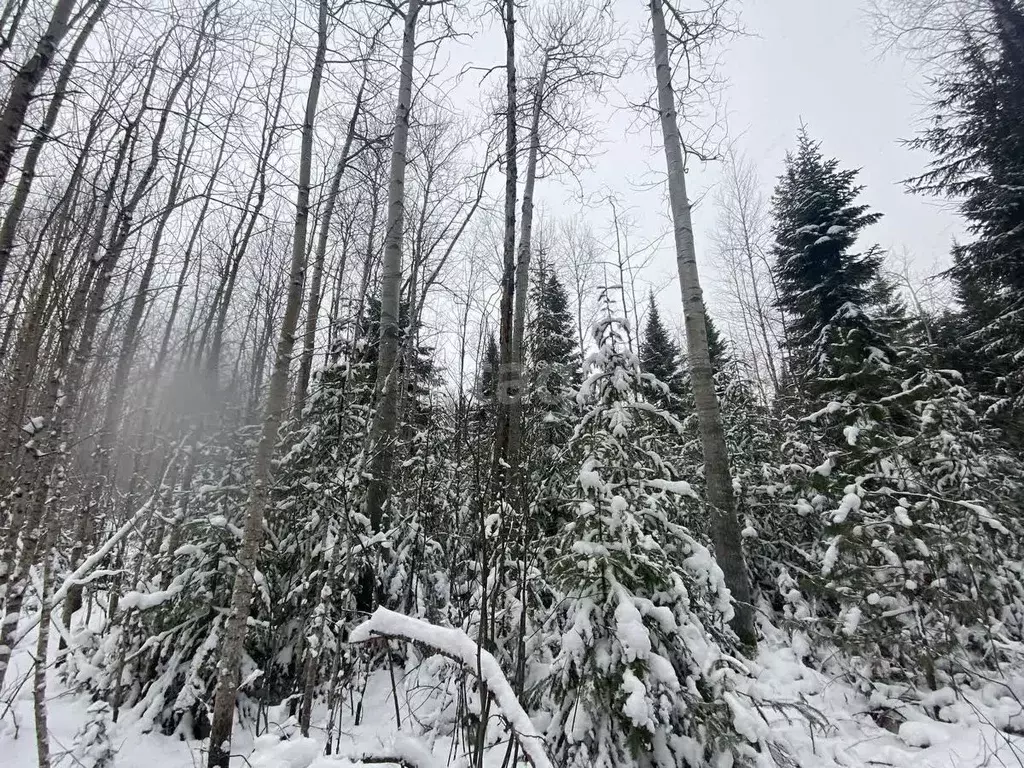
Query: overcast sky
(816, 60)
(810, 60)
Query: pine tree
(552, 337)
(661, 357)
(978, 139)
(826, 290)
(487, 384)
(917, 502)
(643, 612)
(419, 360)
(489, 370)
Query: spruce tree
(642, 617)
(92, 747)
(554, 359)
(978, 139)
(661, 357)
(422, 372)
(488, 374)
(826, 288)
(718, 346)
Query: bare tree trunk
(384, 426)
(31, 73)
(523, 268)
(43, 636)
(17, 8)
(337, 291)
(369, 256)
(725, 529)
(229, 668)
(508, 276)
(42, 136)
(39, 672)
(217, 319)
(29, 504)
(103, 475)
(30, 334)
(315, 291)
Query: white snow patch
(146, 600)
(630, 630)
(923, 734)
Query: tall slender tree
(724, 520)
(229, 667)
(384, 426)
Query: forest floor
(818, 720)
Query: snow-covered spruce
(92, 747)
(639, 671)
(903, 503)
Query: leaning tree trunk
(385, 417)
(28, 169)
(29, 75)
(725, 528)
(229, 668)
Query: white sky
(816, 60)
(810, 60)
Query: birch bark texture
(725, 528)
(508, 374)
(229, 668)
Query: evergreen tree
(718, 346)
(826, 289)
(896, 521)
(644, 609)
(423, 373)
(661, 357)
(554, 360)
(487, 382)
(92, 747)
(489, 370)
(978, 138)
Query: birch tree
(42, 135)
(315, 288)
(12, 118)
(740, 243)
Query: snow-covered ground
(824, 722)
(818, 721)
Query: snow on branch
(458, 646)
(81, 572)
